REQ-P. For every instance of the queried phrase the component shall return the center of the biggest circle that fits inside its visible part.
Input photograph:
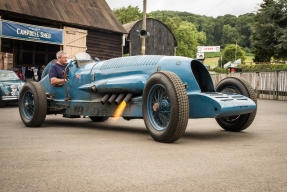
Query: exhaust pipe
(112, 98)
(105, 98)
(128, 97)
(119, 98)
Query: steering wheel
(65, 72)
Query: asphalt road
(76, 155)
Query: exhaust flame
(120, 109)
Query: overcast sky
(201, 7)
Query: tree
(213, 27)
(232, 52)
(171, 22)
(244, 27)
(270, 29)
(128, 14)
(188, 38)
(229, 35)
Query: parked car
(10, 86)
(165, 91)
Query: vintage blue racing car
(10, 86)
(163, 90)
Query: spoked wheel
(232, 85)
(98, 119)
(158, 106)
(32, 104)
(165, 107)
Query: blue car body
(89, 83)
(10, 86)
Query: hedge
(254, 68)
(262, 67)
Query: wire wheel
(32, 104)
(28, 104)
(165, 107)
(158, 107)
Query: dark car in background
(10, 86)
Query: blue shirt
(57, 71)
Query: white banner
(202, 49)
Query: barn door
(74, 41)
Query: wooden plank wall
(268, 85)
(104, 45)
(74, 41)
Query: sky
(212, 8)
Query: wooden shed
(32, 31)
(161, 40)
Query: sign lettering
(22, 31)
(202, 49)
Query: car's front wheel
(32, 104)
(165, 107)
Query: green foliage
(244, 26)
(220, 70)
(212, 54)
(172, 23)
(222, 30)
(270, 31)
(128, 14)
(188, 38)
(232, 52)
(262, 67)
(263, 34)
(229, 35)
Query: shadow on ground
(197, 134)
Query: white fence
(268, 85)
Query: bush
(229, 54)
(220, 70)
(262, 67)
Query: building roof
(129, 26)
(85, 13)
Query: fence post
(277, 85)
(257, 84)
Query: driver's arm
(56, 81)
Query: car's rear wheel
(165, 107)
(32, 104)
(2, 104)
(238, 86)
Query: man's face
(63, 60)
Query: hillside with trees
(223, 30)
(262, 34)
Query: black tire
(98, 119)
(173, 99)
(2, 104)
(33, 114)
(236, 85)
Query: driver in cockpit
(56, 72)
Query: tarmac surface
(77, 155)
